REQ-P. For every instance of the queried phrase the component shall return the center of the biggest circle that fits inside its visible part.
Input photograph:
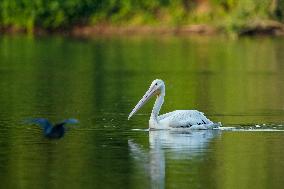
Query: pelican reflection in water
(178, 145)
(192, 119)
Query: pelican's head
(157, 87)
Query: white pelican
(192, 119)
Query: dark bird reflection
(182, 145)
(50, 131)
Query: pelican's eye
(156, 84)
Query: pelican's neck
(157, 106)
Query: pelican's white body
(182, 119)
(178, 119)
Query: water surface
(98, 81)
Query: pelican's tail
(216, 125)
(206, 126)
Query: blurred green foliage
(55, 14)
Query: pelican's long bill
(151, 92)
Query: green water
(98, 81)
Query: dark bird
(50, 131)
